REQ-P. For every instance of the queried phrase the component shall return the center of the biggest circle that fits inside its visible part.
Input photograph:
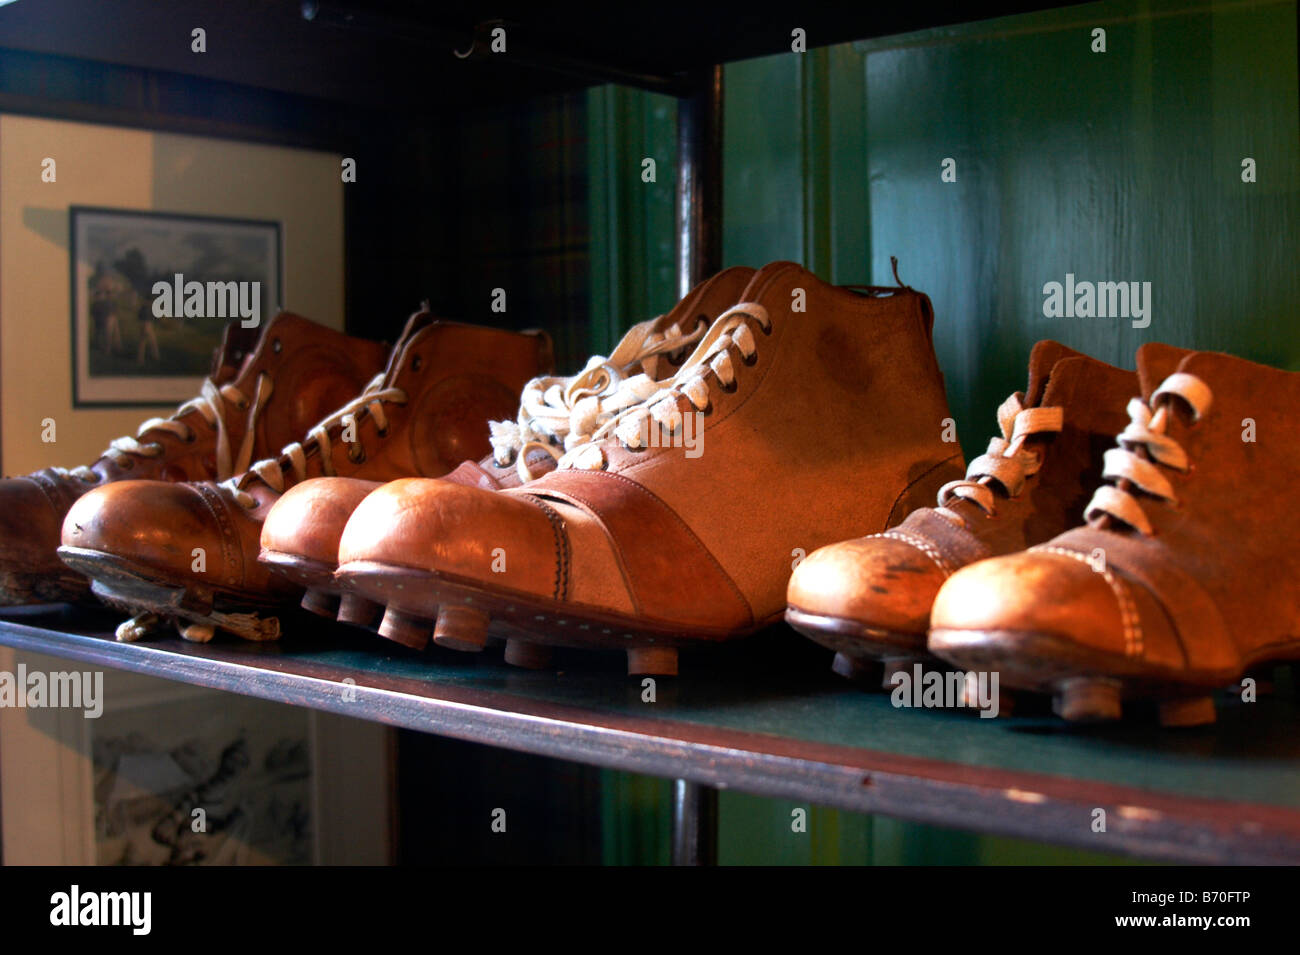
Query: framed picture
(152, 293)
(276, 784)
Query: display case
(986, 150)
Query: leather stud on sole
(894, 666)
(359, 611)
(1087, 699)
(321, 602)
(1197, 711)
(652, 661)
(859, 671)
(459, 628)
(405, 629)
(526, 654)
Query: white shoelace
(1146, 430)
(1007, 463)
(557, 414)
(208, 405)
(271, 471)
(713, 353)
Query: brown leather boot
(807, 414)
(300, 537)
(266, 386)
(869, 599)
(189, 551)
(1186, 573)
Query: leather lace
(209, 406)
(293, 457)
(662, 408)
(1007, 463)
(1144, 450)
(557, 414)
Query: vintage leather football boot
(300, 537)
(808, 413)
(189, 551)
(266, 385)
(869, 599)
(1186, 573)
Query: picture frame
(127, 351)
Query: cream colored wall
(130, 169)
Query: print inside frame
(278, 784)
(134, 342)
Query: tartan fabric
(521, 188)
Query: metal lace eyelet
(191, 437)
(359, 457)
(729, 389)
(417, 363)
(708, 409)
(751, 359)
(276, 346)
(382, 432)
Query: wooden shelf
(766, 717)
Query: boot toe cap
(875, 582)
(488, 537)
(989, 609)
(153, 524)
(309, 519)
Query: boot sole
(460, 614)
(20, 588)
(864, 654)
(135, 588)
(323, 595)
(1087, 685)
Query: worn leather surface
(313, 369)
(834, 430)
(308, 522)
(455, 377)
(889, 583)
(1218, 582)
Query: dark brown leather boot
(300, 537)
(869, 599)
(807, 414)
(189, 551)
(267, 385)
(1186, 573)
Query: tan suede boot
(300, 537)
(189, 551)
(869, 599)
(1186, 573)
(267, 385)
(807, 414)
